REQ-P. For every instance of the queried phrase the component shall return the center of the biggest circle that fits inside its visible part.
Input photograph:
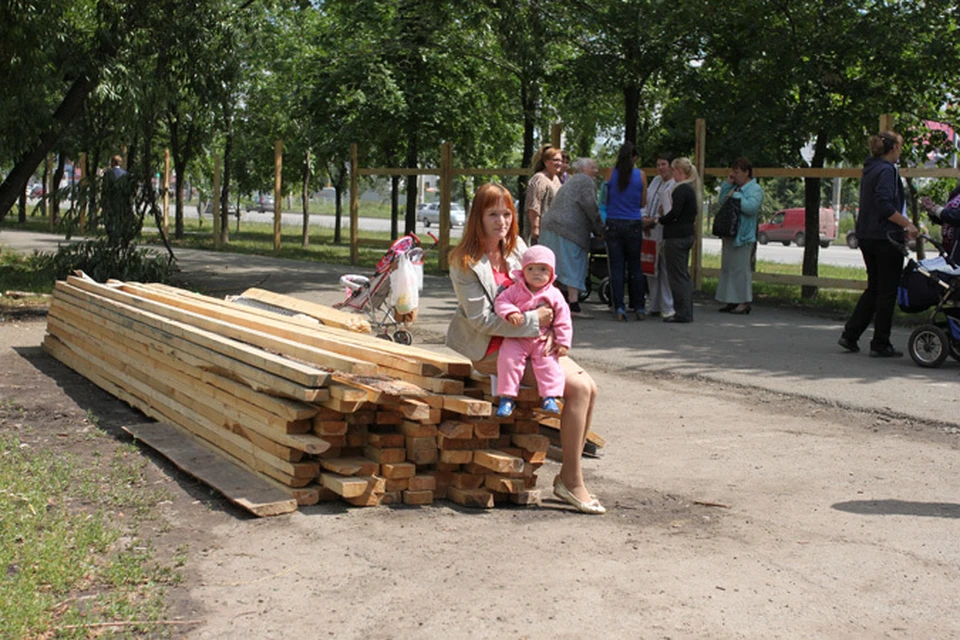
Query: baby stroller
(934, 282)
(598, 271)
(371, 295)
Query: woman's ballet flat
(741, 310)
(593, 507)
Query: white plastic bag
(404, 295)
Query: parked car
(430, 214)
(261, 204)
(208, 210)
(35, 191)
(787, 225)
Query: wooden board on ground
(237, 484)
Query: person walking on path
(659, 296)
(881, 223)
(735, 286)
(532, 288)
(567, 227)
(479, 266)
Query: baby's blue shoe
(505, 410)
(550, 405)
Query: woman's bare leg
(579, 397)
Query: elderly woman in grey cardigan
(567, 226)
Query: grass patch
(21, 272)
(71, 556)
(257, 239)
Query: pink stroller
(371, 295)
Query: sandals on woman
(593, 507)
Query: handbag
(648, 257)
(727, 220)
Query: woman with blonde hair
(479, 267)
(543, 186)
(678, 236)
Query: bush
(102, 261)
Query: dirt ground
(733, 513)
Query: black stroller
(934, 282)
(598, 271)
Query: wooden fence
(446, 171)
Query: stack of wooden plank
(320, 412)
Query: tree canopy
(399, 77)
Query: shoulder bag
(727, 220)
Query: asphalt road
(837, 255)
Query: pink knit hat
(537, 254)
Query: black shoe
(728, 308)
(848, 344)
(885, 352)
(675, 319)
(575, 307)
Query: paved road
(778, 349)
(837, 255)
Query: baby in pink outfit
(532, 288)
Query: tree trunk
(225, 193)
(410, 220)
(305, 199)
(55, 194)
(631, 111)
(66, 113)
(811, 201)
(528, 103)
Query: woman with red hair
(480, 268)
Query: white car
(430, 214)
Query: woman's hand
(549, 342)
(545, 316)
(927, 203)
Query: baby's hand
(562, 351)
(516, 319)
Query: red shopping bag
(648, 257)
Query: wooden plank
(503, 484)
(161, 407)
(424, 497)
(347, 486)
(208, 401)
(129, 317)
(455, 429)
(350, 466)
(437, 362)
(197, 459)
(498, 461)
(288, 347)
(466, 406)
(328, 316)
(346, 343)
(481, 498)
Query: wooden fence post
(886, 122)
(216, 201)
(556, 133)
(277, 192)
(166, 191)
(84, 184)
(446, 188)
(700, 156)
(354, 206)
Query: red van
(787, 226)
